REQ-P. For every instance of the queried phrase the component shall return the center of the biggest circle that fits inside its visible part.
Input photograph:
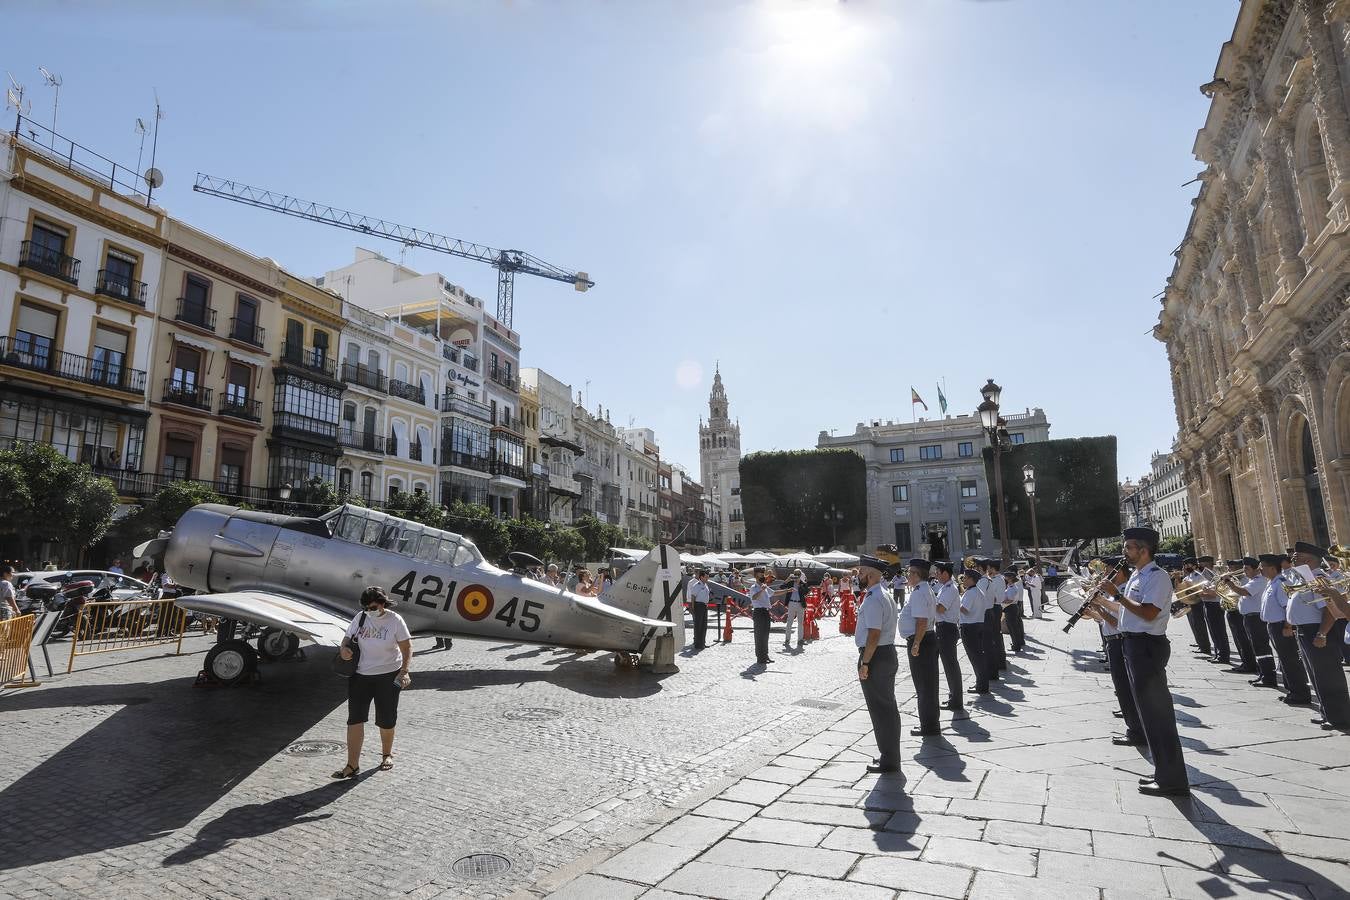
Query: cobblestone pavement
(1024, 797)
(123, 780)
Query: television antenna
(14, 97)
(142, 131)
(53, 81)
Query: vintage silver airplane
(301, 578)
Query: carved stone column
(1284, 206)
(1263, 534)
(1271, 474)
(1308, 377)
(1244, 250)
(1329, 104)
(1235, 304)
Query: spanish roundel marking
(474, 603)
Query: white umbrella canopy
(837, 558)
(758, 556)
(712, 559)
(729, 557)
(691, 559)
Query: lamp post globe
(991, 392)
(988, 411)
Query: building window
(968, 489)
(49, 239)
(367, 485)
(344, 482)
(187, 363)
(110, 355)
(35, 336)
(1018, 437)
(395, 488)
(900, 493)
(970, 533)
(233, 463)
(464, 488)
(897, 454)
(297, 466)
(119, 276)
(306, 406)
(902, 541)
(965, 448)
(349, 413)
(238, 385)
(245, 325)
(932, 451)
(177, 458)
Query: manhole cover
(532, 714)
(481, 866)
(316, 748)
(817, 704)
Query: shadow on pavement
(592, 677)
(156, 763)
(257, 819)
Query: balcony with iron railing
(51, 262)
(453, 403)
(120, 287)
(240, 407)
(736, 517)
(509, 470)
(367, 441)
(186, 393)
(364, 376)
(410, 392)
(194, 312)
(310, 359)
(504, 377)
(292, 424)
(465, 460)
(469, 362)
(246, 332)
(25, 354)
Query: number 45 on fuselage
(301, 578)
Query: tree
(1180, 544)
(570, 546)
(786, 495)
(417, 507)
(529, 535)
(313, 497)
(51, 498)
(158, 513)
(477, 523)
(1077, 495)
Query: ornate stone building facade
(1255, 312)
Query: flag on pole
(915, 398)
(942, 400)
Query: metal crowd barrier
(111, 625)
(15, 636)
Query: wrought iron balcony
(508, 470)
(194, 312)
(366, 441)
(411, 392)
(469, 362)
(312, 359)
(504, 377)
(51, 262)
(287, 423)
(366, 377)
(464, 460)
(120, 287)
(241, 408)
(186, 393)
(246, 332)
(453, 403)
(24, 354)
(450, 352)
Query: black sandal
(347, 771)
(387, 762)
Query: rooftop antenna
(153, 177)
(142, 131)
(53, 81)
(14, 97)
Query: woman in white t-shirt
(381, 673)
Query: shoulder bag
(347, 667)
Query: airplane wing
(273, 610)
(592, 605)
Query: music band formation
(1286, 612)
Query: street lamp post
(834, 517)
(1029, 485)
(997, 434)
(284, 492)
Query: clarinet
(1073, 619)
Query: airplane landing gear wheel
(275, 644)
(231, 662)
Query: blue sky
(833, 201)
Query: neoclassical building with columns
(1255, 311)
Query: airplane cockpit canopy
(359, 525)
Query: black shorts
(383, 689)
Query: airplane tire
(275, 644)
(231, 662)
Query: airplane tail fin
(653, 588)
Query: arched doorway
(1312, 483)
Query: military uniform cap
(1272, 559)
(944, 566)
(919, 562)
(873, 562)
(1310, 549)
(972, 574)
(1141, 534)
(1249, 561)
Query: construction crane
(506, 262)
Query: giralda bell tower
(719, 457)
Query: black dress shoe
(1146, 781)
(1221, 661)
(1243, 670)
(1301, 701)
(1318, 721)
(954, 707)
(1124, 740)
(1261, 682)
(924, 732)
(878, 768)
(1156, 790)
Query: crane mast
(506, 262)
